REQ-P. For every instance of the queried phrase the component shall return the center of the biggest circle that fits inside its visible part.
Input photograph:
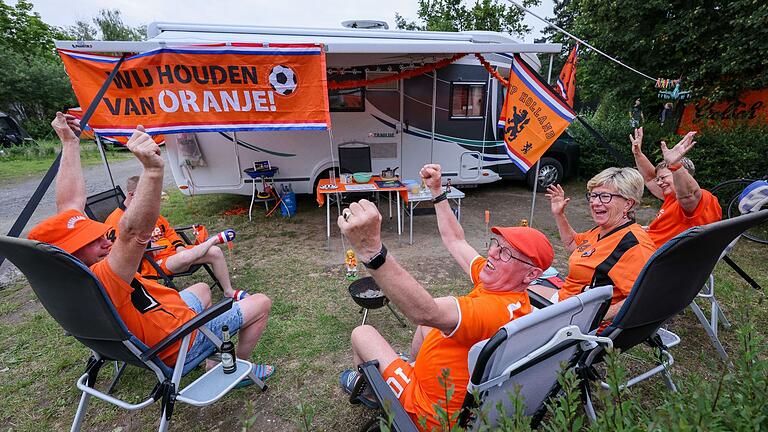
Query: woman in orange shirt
(616, 249)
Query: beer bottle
(228, 359)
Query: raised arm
(687, 189)
(361, 223)
(139, 219)
(70, 186)
(450, 230)
(646, 168)
(558, 202)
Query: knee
(362, 333)
(215, 253)
(205, 294)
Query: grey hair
(687, 164)
(627, 181)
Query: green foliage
(306, 414)
(108, 25)
(713, 45)
(454, 15)
(721, 152)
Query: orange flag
(566, 84)
(533, 115)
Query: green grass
(307, 337)
(21, 162)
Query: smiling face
(500, 275)
(665, 181)
(94, 251)
(612, 214)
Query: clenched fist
(67, 127)
(145, 149)
(432, 175)
(361, 223)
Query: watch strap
(377, 260)
(442, 197)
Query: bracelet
(675, 166)
(442, 197)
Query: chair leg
(668, 380)
(707, 327)
(80, 414)
(586, 399)
(118, 373)
(723, 319)
(163, 421)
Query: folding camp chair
(78, 302)
(99, 206)
(669, 282)
(553, 336)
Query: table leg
(399, 227)
(389, 203)
(459, 210)
(328, 219)
(410, 217)
(253, 198)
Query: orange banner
(206, 88)
(751, 107)
(533, 116)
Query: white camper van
(447, 117)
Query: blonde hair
(627, 181)
(130, 184)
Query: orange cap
(530, 242)
(69, 230)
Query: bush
(721, 153)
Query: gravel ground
(15, 195)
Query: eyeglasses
(604, 197)
(506, 253)
(661, 177)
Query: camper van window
(346, 100)
(467, 100)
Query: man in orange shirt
(177, 256)
(447, 326)
(149, 310)
(686, 204)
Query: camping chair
(99, 206)
(78, 302)
(669, 282)
(354, 158)
(553, 336)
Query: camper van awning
(344, 47)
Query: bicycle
(727, 194)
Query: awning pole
(538, 162)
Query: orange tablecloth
(341, 188)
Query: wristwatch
(377, 260)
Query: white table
(414, 199)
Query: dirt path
(15, 195)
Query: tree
(717, 46)
(108, 25)
(454, 15)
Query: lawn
(307, 337)
(30, 161)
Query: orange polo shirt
(613, 259)
(149, 310)
(481, 314)
(672, 219)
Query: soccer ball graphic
(283, 80)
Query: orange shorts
(398, 375)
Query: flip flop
(348, 379)
(262, 372)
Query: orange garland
(491, 70)
(335, 85)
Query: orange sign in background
(206, 88)
(751, 107)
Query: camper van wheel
(550, 172)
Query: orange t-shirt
(149, 310)
(481, 314)
(614, 259)
(672, 219)
(162, 235)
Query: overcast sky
(301, 13)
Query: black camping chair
(552, 337)
(668, 283)
(78, 302)
(99, 206)
(354, 158)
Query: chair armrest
(401, 421)
(183, 228)
(154, 248)
(538, 300)
(181, 232)
(188, 327)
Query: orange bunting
(491, 70)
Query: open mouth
(490, 265)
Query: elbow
(427, 315)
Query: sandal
(262, 372)
(348, 380)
